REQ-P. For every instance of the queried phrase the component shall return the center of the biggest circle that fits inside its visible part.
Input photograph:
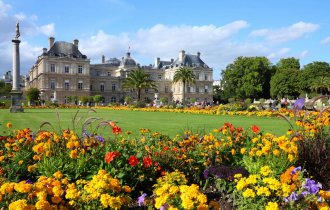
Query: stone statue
(17, 30)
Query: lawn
(166, 123)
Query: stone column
(16, 93)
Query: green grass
(163, 122)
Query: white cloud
(28, 29)
(293, 32)
(326, 40)
(4, 8)
(302, 54)
(279, 54)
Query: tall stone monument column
(16, 93)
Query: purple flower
(99, 138)
(292, 197)
(295, 170)
(141, 199)
(29, 181)
(312, 186)
(164, 207)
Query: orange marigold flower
(110, 156)
(9, 125)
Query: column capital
(16, 41)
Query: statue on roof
(17, 30)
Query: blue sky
(220, 30)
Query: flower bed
(247, 169)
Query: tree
(98, 99)
(186, 76)
(310, 72)
(247, 77)
(322, 84)
(285, 81)
(5, 88)
(32, 94)
(137, 80)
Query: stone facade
(63, 71)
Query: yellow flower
(249, 193)
(20, 162)
(19, 204)
(58, 175)
(272, 206)
(43, 205)
(243, 150)
(9, 125)
(265, 170)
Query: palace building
(62, 71)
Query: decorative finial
(17, 30)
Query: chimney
(181, 55)
(103, 59)
(172, 60)
(51, 42)
(157, 62)
(76, 42)
(44, 50)
(198, 54)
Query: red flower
(255, 129)
(147, 162)
(116, 130)
(111, 155)
(132, 160)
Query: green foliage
(137, 80)
(32, 94)
(98, 98)
(186, 76)
(5, 88)
(247, 77)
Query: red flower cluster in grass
(255, 129)
(115, 129)
(110, 156)
(132, 160)
(147, 162)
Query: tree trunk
(183, 94)
(139, 94)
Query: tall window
(197, 89)
(188, 89)
(159, 76)
(52, 84)
(197, 76)
(166, 89)
(66, 84)
(146, 90)
(66, 69)
(205, 77)
(109, 74)
(113, 99)
(52, 67)
(80, 85)
(80, 69)
(102, 87)
(206, 88)
(91, 87)
(113, 87)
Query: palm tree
(186, 76)
(138, 79)
(321, 83)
